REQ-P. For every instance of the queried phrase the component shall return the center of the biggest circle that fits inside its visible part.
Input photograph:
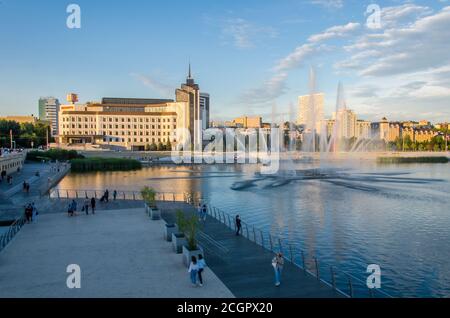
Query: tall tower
(190, 93)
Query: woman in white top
(193, 270)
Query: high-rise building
(311, 112)
(345, 119)
(48, 111)
(204, 110)
(363, 129)
(190, 93)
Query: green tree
(161, 147)
(168, 145)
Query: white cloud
(330, 4)
(243, 34)
(270, 90)
(335, 32)
(419, 46)
(161, 88)
(402, 15)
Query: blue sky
(249, 55)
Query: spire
(189, 80)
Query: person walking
(115, 195)
(93, 205)
(28, 213)
(34, 213)
(107, 196)
(74, 206)
(278, 263)
(238, 225)
(199, 211)
(86, 205)
(70, 210)
(193, 270)
(204, 212)
(201, 267)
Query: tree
(168, 145)
(153, 147)
(161, 147)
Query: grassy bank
(412, 160)
(104, 164)
(53, 154)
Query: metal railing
(13, 229)
(120, 195)
(340, 281)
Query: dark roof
(134, 101)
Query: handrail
(13, 229)
(120, 195)
(341, 281)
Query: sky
(251, 56)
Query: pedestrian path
(121, 253)
(245, 267)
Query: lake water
(396, 216)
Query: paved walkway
(245, 267)
(121, 254)
(13, 198)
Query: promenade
(121, 254)
(13, 198)
(245, 267)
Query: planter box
(155, 214)
(170, 229)
(178, 241)
(187, 254)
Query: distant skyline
(248, 55)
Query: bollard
(317, 268)
(333, 278)
(303, 261)
(350, 286)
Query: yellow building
(394, 132)
(408, 132)
(134, 123)
(363, 129)
(123, 122)
(21, 119)
(422, 135)
(248, 122)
